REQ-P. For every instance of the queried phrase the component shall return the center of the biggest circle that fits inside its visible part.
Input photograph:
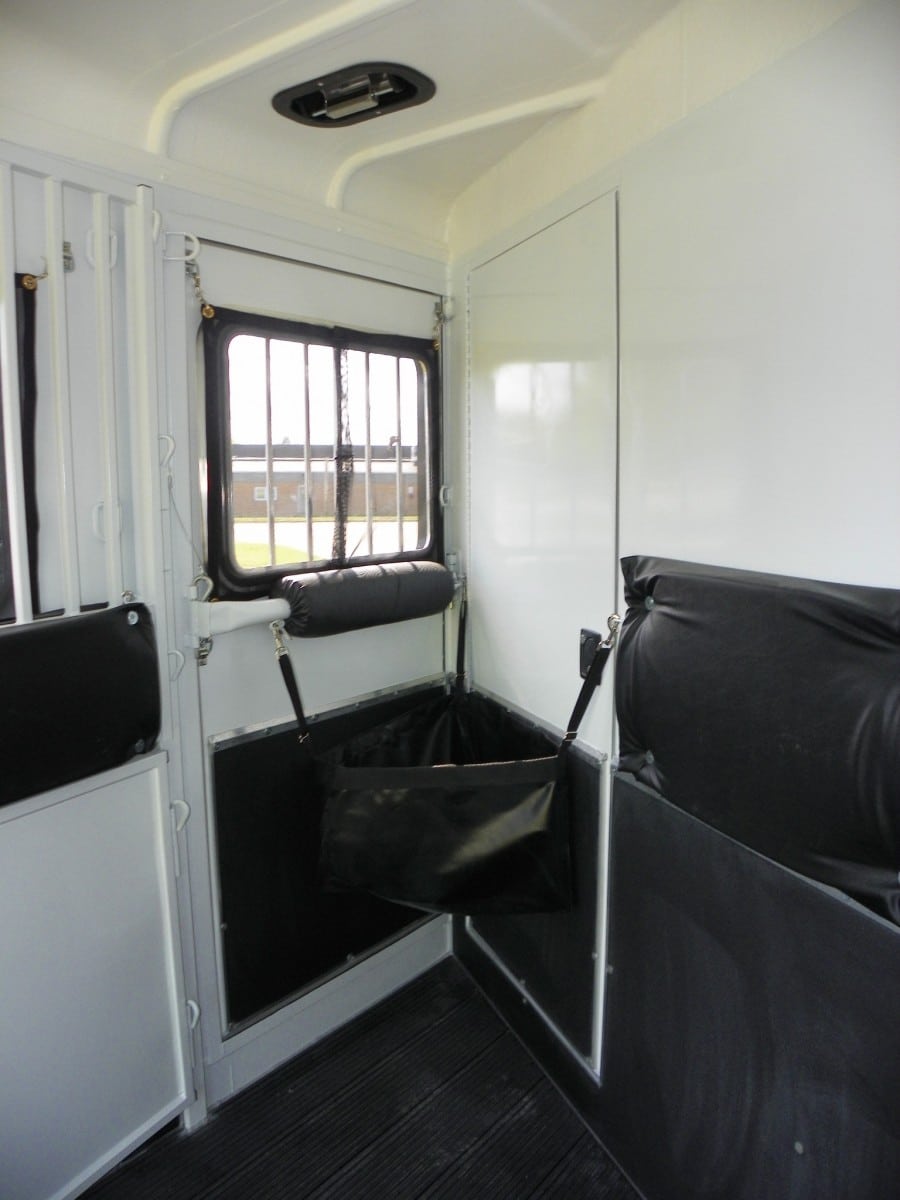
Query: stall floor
(426, 1095)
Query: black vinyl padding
(328, 602)
(80, 695)
(769, 707)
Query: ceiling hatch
(354, 94)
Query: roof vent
(354, 94)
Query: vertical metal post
(12, 428)
(143, 377)
(107, 399)
(59, 366)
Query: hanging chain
(206, 310)
(343, 463)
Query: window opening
(322, 449)
(25, 310)
(7, 599)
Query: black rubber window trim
(230, 580)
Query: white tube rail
(210, 618)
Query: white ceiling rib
(269, 50)
(190, 82)
(555, 102)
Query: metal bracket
(591, 641)
(208, 620)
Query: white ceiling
(193, 81)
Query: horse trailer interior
(381, 379)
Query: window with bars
(321, 448)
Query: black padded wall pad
(770, 707)
(79, 695)
(751, 1040)
(327, 602)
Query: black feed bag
(455, 807)
(769, 707)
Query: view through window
(328, 452)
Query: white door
(250, 269)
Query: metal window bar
(399, 456)
(270, 471)
(337, 545)
(307, 458)
(370, 534)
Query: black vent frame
(353, 94)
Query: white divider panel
(543, 463)
(91, 1056)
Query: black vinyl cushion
(328, 602)
(80, 695)
(769, 707)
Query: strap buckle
(278, 631)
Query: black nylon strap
(592, 681)
(461, 645)
(290, 682)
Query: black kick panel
(752, 1040)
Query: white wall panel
(760, 249)
(241, 684)
(543, 462)
(299, 292)
(91, 1007)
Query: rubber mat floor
(427, 1095)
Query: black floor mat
(426, 1095)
